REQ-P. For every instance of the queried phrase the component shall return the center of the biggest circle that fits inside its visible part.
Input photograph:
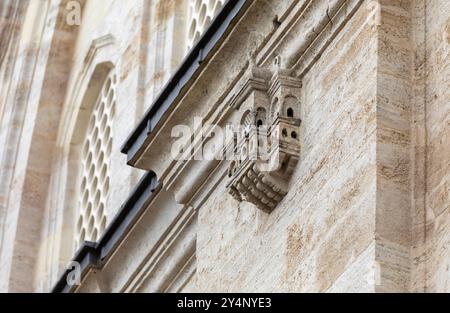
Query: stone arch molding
(86, 86)
(268, 151)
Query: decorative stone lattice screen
(201, 13)
(95, 162)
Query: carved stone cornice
(301, 52)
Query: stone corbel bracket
(267, 145)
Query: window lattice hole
(85, 197)
(91, 224)
(104, 123)
(108, 132)
(95, 135)
(218, 8)
(97, 199)
(106, 186)
(95, 235)
(103, 225)
(88, 161)
(104, 172)
(97, 147)
(88, 210)
(95, 184)
(112, 108)
(192, 29)
(110, 97)
(82, 236)
(101, 158)
(100, 213)
(91, 172)
(109, 147)
(108, 85)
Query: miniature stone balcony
(269, 148)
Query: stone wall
(368, 203)
(320, 237)
(431, 147)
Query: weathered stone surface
(365, 207)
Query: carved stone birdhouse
(268, 147)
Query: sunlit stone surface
(365, 207)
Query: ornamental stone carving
(267, 149)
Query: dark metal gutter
(95, 255)
(182, 76)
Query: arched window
(261, 117)
(290, 107)
(94, 165)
